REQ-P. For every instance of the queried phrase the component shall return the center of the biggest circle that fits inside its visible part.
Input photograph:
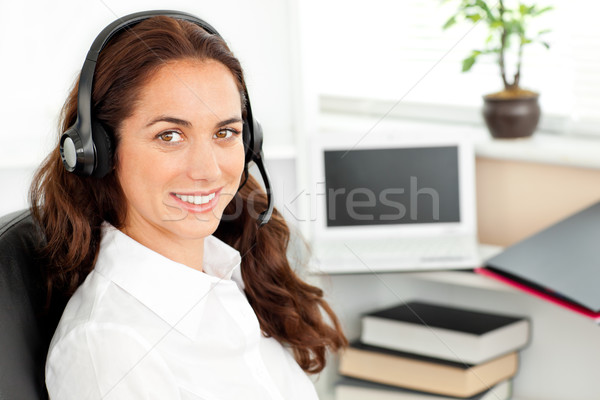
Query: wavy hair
(71, 208)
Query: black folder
(560, 264)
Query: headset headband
(84, 95)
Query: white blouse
(142, 326)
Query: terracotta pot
(511, 118)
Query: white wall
(43, 45)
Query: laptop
(394, 202)
(558, 264)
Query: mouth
(197, 202)
(195, 199)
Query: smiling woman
(175, 291)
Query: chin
(196, 226)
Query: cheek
(130, 181)
(233, 163)
(138, 173)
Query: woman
(162, 308)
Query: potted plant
(514, 111)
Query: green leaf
(546, 45)
(543, 10)
(483, 5)
(531, 10)
(514, 26)
(489, 39)
(544, 31)
(468, 62)
(523, 9)
(496, 24)
(451, 21)
(474, 17)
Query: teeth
(196, 199)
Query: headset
(86, 147)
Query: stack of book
(421, 351)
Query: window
(389, 53)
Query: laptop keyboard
(425, 249)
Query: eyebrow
(230, 121)
(187, 124)
(173, 120)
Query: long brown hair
(71, 208)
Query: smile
(195, 199)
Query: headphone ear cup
(247, 137)
(253, 140)
(70, 143)
(257, 140)
(104, 150)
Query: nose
(203, 161)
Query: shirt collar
(166, 287)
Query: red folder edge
(573, 307)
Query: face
(181, 153)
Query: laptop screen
(386, 186)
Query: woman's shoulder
(102, 347)
(81, 306)
(89, 336)
(101, 306)
(98, 360)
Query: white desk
(561, 362)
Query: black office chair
(25, 328)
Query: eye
(226, 133)
(170, 136)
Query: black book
(445, 332)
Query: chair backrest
(25, 329)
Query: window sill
(542, 147)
